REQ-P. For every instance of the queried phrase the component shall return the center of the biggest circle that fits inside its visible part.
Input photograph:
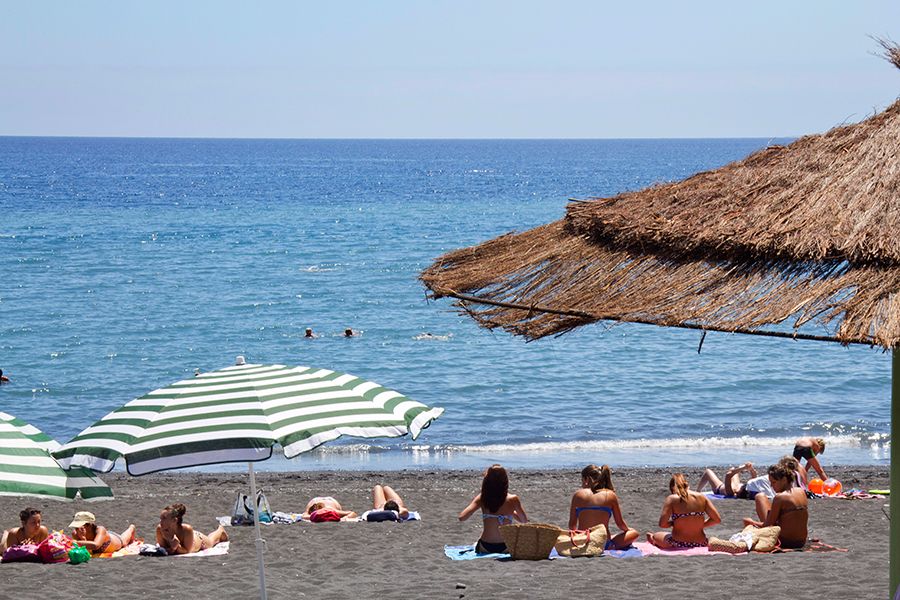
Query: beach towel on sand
(282, 518)
(135, 548)
(468, 553)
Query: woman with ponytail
(596, 503)
(177, 537)
(688, 513)
(498, 507)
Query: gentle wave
(698, 444)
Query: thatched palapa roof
(797, 234)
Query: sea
(127, 264)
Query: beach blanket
(129, 550)
(134, 548)
(813, 545)
(283, 518)
(412, 516)
(648, 549)
(467, 552)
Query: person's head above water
(348, 332)
(309, 332)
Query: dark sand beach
(388, 560)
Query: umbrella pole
(895, 474)
(260, 542)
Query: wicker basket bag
(530, 541)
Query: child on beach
(596, 503)
(177, 537)
(96, 538)
(688, 513)
(498, 507)
(30, 532)
(807, 448)
(788, 510)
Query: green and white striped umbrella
(27, 469)
(238, 414)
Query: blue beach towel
(468, 553)
(629, 552)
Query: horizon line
(449, 139)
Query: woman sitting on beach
(788, 510)
(177, 537)
(498, 507)
(596, 503)
(808, 448)
(801, 476)
(30, 532)
(97, 538)
(688, 513)
(321, 504)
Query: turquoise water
(128, 263)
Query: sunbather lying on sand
(177, 537)
(385, 498)
(688, 513)
(788, 510)
(322, 503)
(732, 486)
(596, 503)
(96, 538)
(31, 531)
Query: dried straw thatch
(804, 233)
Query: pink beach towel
(648, 549)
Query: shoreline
(386, 560)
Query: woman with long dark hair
(688, 513)
(177, 537)
(498, 507)
(596, 503)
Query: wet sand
(388, 560)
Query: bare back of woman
(596, 504)
(688, 513)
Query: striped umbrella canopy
(27, 469)
(238, 414)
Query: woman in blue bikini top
(498, 507)
(596, 503)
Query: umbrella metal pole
(895, 475)
(260, 542)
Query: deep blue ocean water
(128, 263)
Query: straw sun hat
(82, 518)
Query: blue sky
(441, 69)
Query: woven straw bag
(530, 541)
(720, 545)
(582, 542)
(765, 539)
